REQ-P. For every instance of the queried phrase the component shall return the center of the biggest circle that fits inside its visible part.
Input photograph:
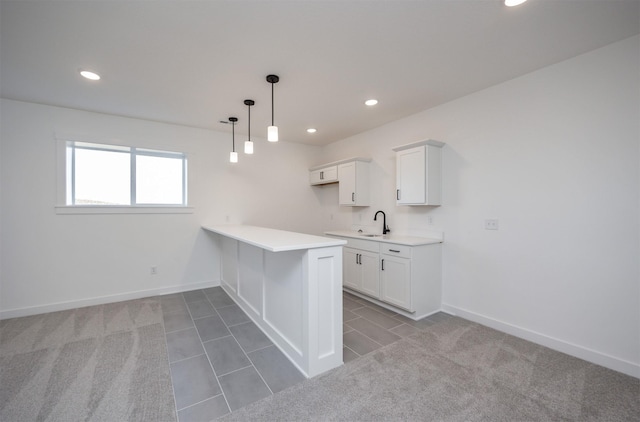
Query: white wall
(52, 261)
(554, 156)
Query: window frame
(64, 184)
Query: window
(103, 175)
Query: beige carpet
(99, 363)
(455, 370)
(109, 363)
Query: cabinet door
(351, 271)
(411, 176)
(395, 280)
(324, 175)
(347, 184)
(315, 177)
(353, 180)
(370, 273)
(330, 174)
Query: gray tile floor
(221, 361)
(367, 327)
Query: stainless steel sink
(370, 235)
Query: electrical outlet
(430, 220)
(491, 224)
(154, 270)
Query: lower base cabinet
(360, 271)
(406, 277)
(395, 281)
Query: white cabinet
(361, 271)
(410, 180)
(323, 175)
(406, 279)
(353, 180)
(352, 176)
(395, 281)
(351, 270)
(418, 173)
(395, 275)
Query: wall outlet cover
(491, 224)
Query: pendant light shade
(272, 131)
(272, 134)
(233, 155)
(248, 145)
(512, 3)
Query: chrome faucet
(385, 228)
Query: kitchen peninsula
(290, 285)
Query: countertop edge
(308, 241)
(407, 241)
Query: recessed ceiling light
(90, 75)
(371, 102)
(512, 3)
(311, 130)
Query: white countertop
(389, 238)
(274, 240)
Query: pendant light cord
(272, 79)
(233, 121)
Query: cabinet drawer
(401, 251)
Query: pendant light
(512, 3)
(248, 145)
(233, 156)
(272, 131)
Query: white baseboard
(63, 306)
(593, 356)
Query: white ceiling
(194, 62)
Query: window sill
(92, 209)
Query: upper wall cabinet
(353, 180)
(352, 176)
(321, 176)
(418, 173)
